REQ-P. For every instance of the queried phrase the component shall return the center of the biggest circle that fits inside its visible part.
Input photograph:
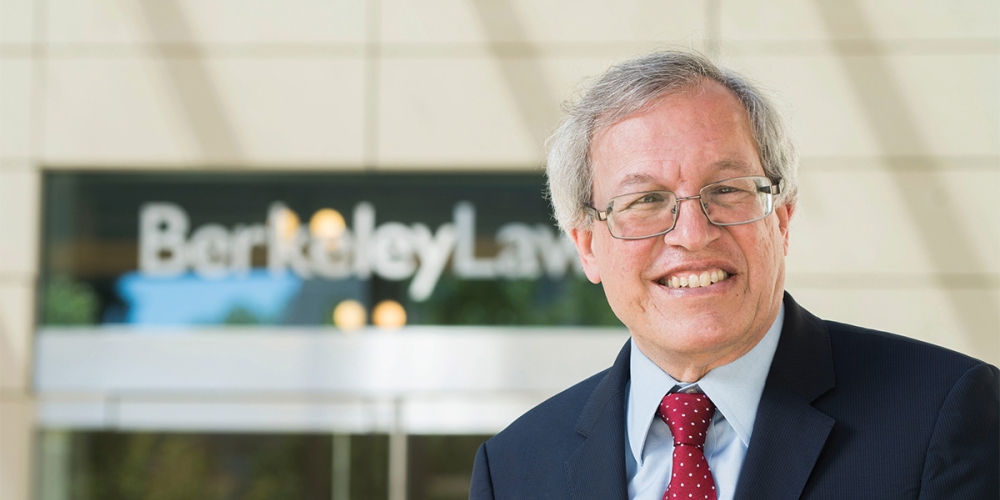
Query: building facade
(300, 249)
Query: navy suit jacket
(846, 413)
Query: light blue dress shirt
(735, 389)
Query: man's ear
(584, 240)
(785, 212)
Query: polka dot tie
(688, 417)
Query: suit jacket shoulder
(570, 446)
(931, 414)
(849, 412)
(846, 412)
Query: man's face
(685, 141)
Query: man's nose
(692, 229)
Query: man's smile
(694, 274)
(694, 279)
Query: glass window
(308, 249)
(440, 467)
(91, 465)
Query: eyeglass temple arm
(597, 214)
(775, 189)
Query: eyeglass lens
(729, 202)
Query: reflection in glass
(440, 467)
(349, 315)
(182, 466)
(187, 249)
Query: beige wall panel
(17, 429)
(953, 100)
(474, 112)
(453, 113)
(857, 222)
(461, 21)
(15, 107)
(899, 105)
(17, 21)
(19, 205)
(218, 111)
(892, 19)
(923, 314)
(15, 335)
(205, 21)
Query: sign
(327, 249)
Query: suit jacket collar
(789, 433)
(597, 469)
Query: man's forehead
(699, 135)
(729, 167)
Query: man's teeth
(694, 280)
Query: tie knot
(687, 416)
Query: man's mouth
(693, 280)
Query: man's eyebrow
(726, 165)
(636, 179)
(733, 166)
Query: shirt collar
(735, 388)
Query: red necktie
(688, 417)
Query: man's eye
(645, 201)
(650, 198)
(727, 191)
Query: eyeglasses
(731, 202)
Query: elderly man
(676, 181)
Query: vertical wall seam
(372, 87)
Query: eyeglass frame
(773, 189)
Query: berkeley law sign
(327, 249)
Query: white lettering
(433, 252)
(331, 258)
(244, 240)
(162, 230)
(364, 224)
(285, 242)
(557, 252)
(393, 252)
(208, 251)
(465, 264)
(517, 257)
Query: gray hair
(633, 85)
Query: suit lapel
(597, 469)
(788, 432)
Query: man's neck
(689, 368)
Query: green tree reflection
(180, 466)
(572, 301)
(69, 302)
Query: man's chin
(702, 336)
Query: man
(677, 182)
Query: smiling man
(677, 183)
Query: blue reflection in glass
(259, 297)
